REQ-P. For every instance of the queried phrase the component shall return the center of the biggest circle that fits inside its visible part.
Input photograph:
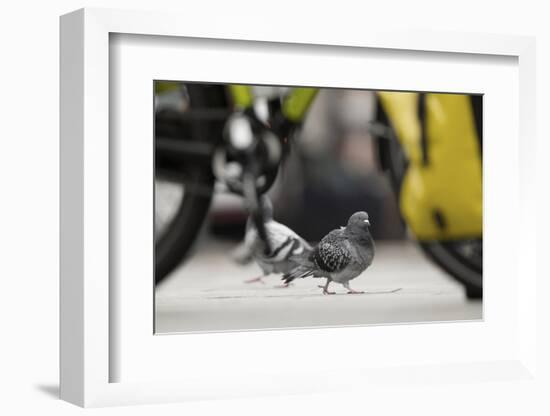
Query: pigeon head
(358, 224)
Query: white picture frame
(88, 303)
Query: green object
(298, 102)
(295, 105)
(242, 95)
(165, 86)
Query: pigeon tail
(298, 272)
(305, 267)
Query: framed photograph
(291, 213)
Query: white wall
(29, 188)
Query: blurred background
(333, 169)
(332, 172)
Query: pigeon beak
(367, 222)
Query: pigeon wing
(280, 234)
(284, 242)
(332, 253)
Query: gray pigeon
(340, 256)
(284, 244)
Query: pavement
(208, 293)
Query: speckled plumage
(340, 256)
(331, 254)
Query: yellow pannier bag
(441, 195)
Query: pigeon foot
(352, 291)
(325, 291)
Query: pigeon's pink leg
(256, 279)
(325, 288)
(282, 285)
(352, 291)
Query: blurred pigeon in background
(340, 256)
(284, 244)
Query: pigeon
(284, 244)
(342, 255)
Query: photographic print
(293, 207)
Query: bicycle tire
(174, 244)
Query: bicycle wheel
(461, 259)
(184, 182)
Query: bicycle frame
(295, 103)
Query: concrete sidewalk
(207, 293)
